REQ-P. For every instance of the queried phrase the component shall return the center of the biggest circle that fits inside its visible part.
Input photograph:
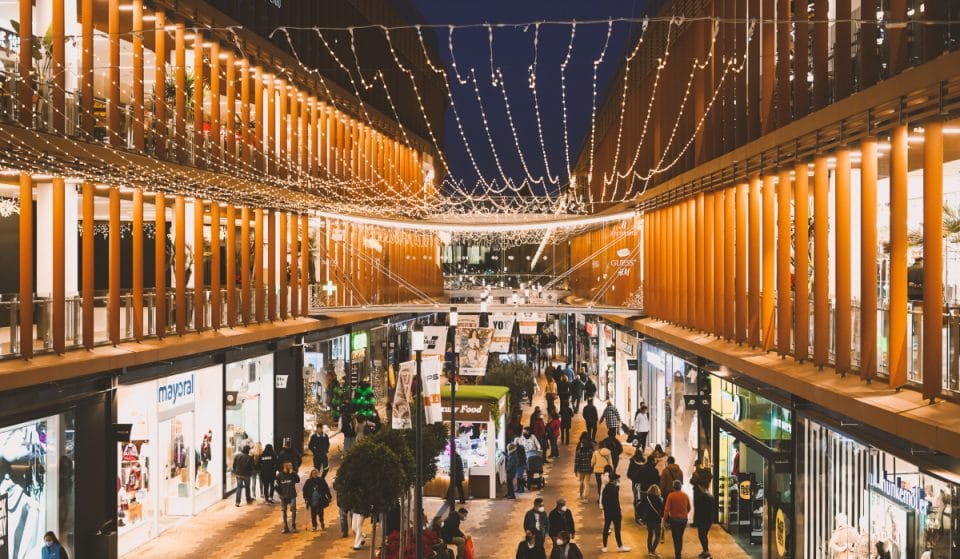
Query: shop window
(768, 422)
(249, 408)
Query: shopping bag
(468, 548)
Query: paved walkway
(496, 525)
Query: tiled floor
(496, 526)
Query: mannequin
(843, 542)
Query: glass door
(176, 457)
(740, 493)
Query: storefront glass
(37, 483)
(249, 408)
(762, 419)
(666, 379)
(171, 468)
(322, 361)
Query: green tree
(516, 376)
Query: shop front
(324, 360)
(753, 470)
(481, 443)
(666, 377)
(627, 396)
(866, 502)
(248, 397)
(170, 465)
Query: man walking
(591, 418)
(319, 445)
(675, 512)
(560, 520)
(242, 470)
(537, 521)
(612, 515)
(611, 416)
(287, 488)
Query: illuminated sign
(909, 497)
(358, 341)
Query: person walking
(348, 426)
(651, 508)
(563, 391)
(528, 442)
(701, 475)
(242, 470)
(576, 393)
(564, 548)
(539, 430)
(317, 496)
(553, 433)
(641, 424)
(676, 509)
(287, 482)
(615, 446)
(550, 391)
(52, 549)
(537, 521)
(611, 417)
(344, 518)
(670, 475)
(704, 505)
(290, 454)
(255, 455)
(457, 478)
(356, 524)
(566, 422)
(591, 418)
(599, 462)
(512, 467)
(589, 388)
(452, 534)
(649, 474)
(267, 465)
(583, 464)
(612, 516)
(635, 475)
(520, 459)
(560, 520)
(530, 547)
(319, 446)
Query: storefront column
(113, 290)
(898, 256)
(180, 263)
(160, 262)
(708, 267)
(26, 264)
(731, 264)
(215, 301)
(933, 258)
(282, 238)
(801, 255)
(821, 262)
(868, 259)
(785, 297)
(740, 330)
(844, 309)
(768, 293)
(754, 243)
(198, 276)
(719, 272)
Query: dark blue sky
(513, 53)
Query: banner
(434, 340)
(528, 327)
(473, 345)
(468, 321)
(503, 332)
(430, 371)
(401, 414)
(532, 316)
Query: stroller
(535, 469)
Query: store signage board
(402, 415)
(696, 402)
(631, 364)
(503, 332)
(178, 390)
(470, 410)
(473, 345)
(525, 316)
(434, 340)
(358, 341)
(281, 382)
(910, 498)
(468, 321)
(4, 537)
(430, 371)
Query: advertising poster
(434, 340)
(528, 321)
(430, 371)
(503, 332)
(468, 321)
(402, 417)
(473, 345)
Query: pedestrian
(611, 417)
(704, 505)
(564, 548)
(457, 477)
(583, 463)
(553, 433)
(563, 391)
(539, 430)
(670, 474)
(255, 454)
(267, 465)
(319, 446)
(290, 454)
(616, 448)
(530, 547)
(52, 549)
(550, 392)
(356, 521)
(512, 467)
(701, 475)
(287, 482)
(635, 475)
(344, 518)
(528, 441)
(560, 520)
(641, 424)
(651, 506)
(537, 521)
(612, 516)
(589, 388)
(590, 417)
(566, 422)
(452, 534)
(557, 373)
(520, 459)
(676, 509)
(348, 426)
(242, 470)
(649, 474)
(316, 495)
(600, 461)
(576, 393)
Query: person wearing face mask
(612, 516)
(565, 549)
(537, 521)
(561, 520)
(528, 441)
(530, 547)
(52, 548)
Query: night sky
(513, 53)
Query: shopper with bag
(287, 488)
(453, 535)
(651, 509)
(317, 496)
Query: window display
(249, 408)
(36, 479)
(471, 445)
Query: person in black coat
(268, 466)
(531, 547)
(704, 505)
(456, 477)
(319, 446)
(651, 508)
(615, 447)
(565, 549)
(560, 520)
(635, 475)
(566, 421)
(612, 516)
(289, 454)
(591, 417)
(452, 533)
(537, 521)
(317, 496)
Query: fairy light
(593, 108)
(532, 70)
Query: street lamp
(452, 321)
(416, 343)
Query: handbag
(468, 548)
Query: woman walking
(267, 467)
(600, 461)
(583, 464)
(612, 516)
(675, 512)
(651, 504)
(317, 496)
(703, 506)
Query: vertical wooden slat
(690, 289)
(137, 46)
(898, 256)
(683, 274)
(719, 271)
(58, 325)
(113, 293)
(113, 74)
(258, 265)
(230, 110)
(699, 268)
(291, 121)
(199, 153)
(137, 268)
(160, 260)
(821, 261)
(305, 265)
(277, 125)
(867, 46)
(216, 154)
(25, 85)
(868, 258)
(842, 65)
(821, 37)
(245, 265)
(87, 264)
(784, 46)
(316, 111)
(753, 257)
(740, 278)
(215, 300)
(265, 153)
(768, 71)
(272, 265)
(801, 248)
(249, 146)
(768, 264)
(180, 81)
(160, 76)
(303, 135)
(198, 262)
(708, 268)
(294, 266)
(87, 119)
(754, 84)
(58, 66)
(26, 264)
(180, 263)
(231, 265)
(841, 258)
(284, 258)
(785, 297)
(731, 264)
(932, 258)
